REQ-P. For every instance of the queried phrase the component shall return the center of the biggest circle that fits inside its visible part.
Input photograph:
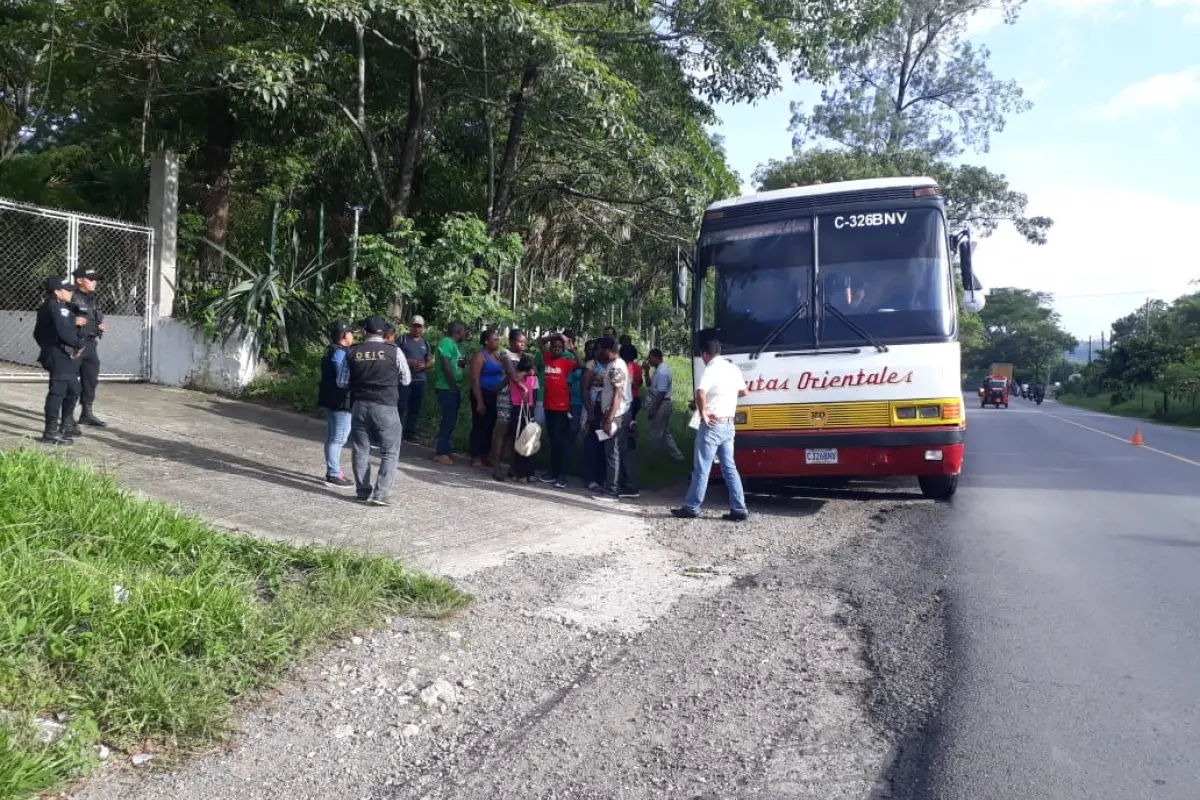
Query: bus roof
(823, 188)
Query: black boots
(52, 434)
(88, 418)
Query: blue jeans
(449, 401)
(337, 431)
(410, 408)
(712, 441)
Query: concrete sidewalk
(254, 469)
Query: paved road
(1073, 593)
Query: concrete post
(164, 218)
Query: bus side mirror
(679, 285)
(973, 298)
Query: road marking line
(1119, 439)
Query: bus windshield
(763, 273)
(888, 273)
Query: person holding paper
(717, 395)
(615, 398)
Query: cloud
(984, 20)
(1165, 92)
(1035, 87)
(1111, 10)
(1099, 264)
(1169, 134)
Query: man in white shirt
(716, 401)
(660, 408)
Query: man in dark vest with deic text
(374, 370)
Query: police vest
(374, 373)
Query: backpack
(529, 435)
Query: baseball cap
(86, 272)
(417, 320)
(375, 324)
(56, 282)
(339, 329)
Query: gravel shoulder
(798, 655)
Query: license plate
(822, 456)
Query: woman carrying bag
(526, 434)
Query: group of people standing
(68, 329)
(567, 391)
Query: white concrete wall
(121, 349)
(183, 356)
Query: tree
(918, 84)
(908, 101)
(1020, 327)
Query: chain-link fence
(36, 243)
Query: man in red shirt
(557, 402)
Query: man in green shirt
(448, 383)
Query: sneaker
(548, 478)
(629, 494)
(683, 513)
(338, 482)
(605, 497)
(594, 487)
(362, 498)
(732, 517)
(560, 484)
(379, 501)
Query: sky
(1115, 86)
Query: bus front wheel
(938, 487)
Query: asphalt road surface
(1073, 599)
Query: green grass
(1144, 404)
(208, 617)
(295, 389)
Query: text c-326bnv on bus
(871, 220)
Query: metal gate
(38, 242)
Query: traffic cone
(1137, 436)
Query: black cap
(55, 282)
(375, 325)
(339, 329)
(86, 272)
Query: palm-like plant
(273, 299)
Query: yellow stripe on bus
(854, 414)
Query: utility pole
(354, 245)
(1090, 347)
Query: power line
(1108, 294)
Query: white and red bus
(838, 303)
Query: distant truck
(1002, 370)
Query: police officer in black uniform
(58, 334)
(84, 299)
(375, 371)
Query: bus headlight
(739, 418)
(931, 412)
(906, 412)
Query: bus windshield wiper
(854, 326)
(779, 329)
